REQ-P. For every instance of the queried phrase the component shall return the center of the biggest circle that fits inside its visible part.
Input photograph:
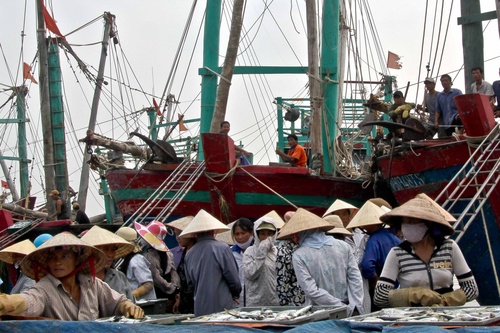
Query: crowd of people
(364, 259)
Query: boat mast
(314, 77)
(21, 93)
(43, 79)
(472, 38)
(84, 177)
(228, 68)
(211, 41)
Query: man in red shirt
(296, 154)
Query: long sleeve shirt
(378, 246)
(119, 282)
(329, 275)
(212, 271)
(445, 105)
(163, 287)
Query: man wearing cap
(445, 106)
(400, 110)
(210, 267)
(429, 106)
(61, 209)
(326, 267)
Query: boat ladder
(473, 184)
(179, 182)
(8, 239)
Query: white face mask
(244, 246)
(414, 233)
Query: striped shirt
(48, 298)
(404, 265)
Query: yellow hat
(303, 220)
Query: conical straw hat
(203, 222)
(278, 221)
(369, 214)
(380, 202)
(24, 248)
(448, 217)
(98, 236)
(420, 209)
(226, 236)
(303, 220)
(338, 227)
(130, 235)
(64, 239)
(180, 224)
(339, 205)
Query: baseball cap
(429, 79)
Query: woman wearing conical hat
(326, 268)
(425, 263)
(186, 297)
(67, 289)
(13, 255)
(114, 247)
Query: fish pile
(434, 315)
(263, 314)
(123, 320)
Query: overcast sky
(150, 32)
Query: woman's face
(61, 263)
(183, 242)
(345, 216)
(264, 234)
(110, 252)
(240, 235)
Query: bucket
(476, 114)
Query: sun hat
(53, 192)
(154, 234)
(92, 260)
(266, 226)
(303, 220)
(24, 248)
(130, 235)
(338, 205)
(203, 222)
(42, 239)
(226, 236)
(338, 226)
(448, 217)
(180, 224)
(97, 236)
(278, 221)
(368, 214)
(421, 209)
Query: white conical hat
(303, 220)
(443, 212)
(24, 248)
(97, 236)
(203, 222)
(369, 214)
(338, 226)
(226, 236)
(339, 205)
(278, 221)
(180, 224)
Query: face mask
(414, 233)
(244, 246)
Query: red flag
(5, 184)
(27, 73)
(393, 61)
(182, 127)
(157, 107)
(50, 23)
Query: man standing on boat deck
(429, 106)
(61, 208)
(479, 86)
(296, 154)
(445, 106)
(242, 154)
(211, 269)
(496, 90)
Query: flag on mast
(157, 107)
(5, 185)
(182, 127)
(50, 23)
(27, 73)
(393, 61)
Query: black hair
(293, 136)
(446, 76)
(244, 223)
(477, 69)
(224, 122)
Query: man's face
(429, 86)
(292, 142)
(225, 128)
(476, 75)
(398, 100)
(446, 83)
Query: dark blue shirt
(378, 246)
(445, 105)
(496, 90)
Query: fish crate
(436, 316)
(154, 306)
(272, 315)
